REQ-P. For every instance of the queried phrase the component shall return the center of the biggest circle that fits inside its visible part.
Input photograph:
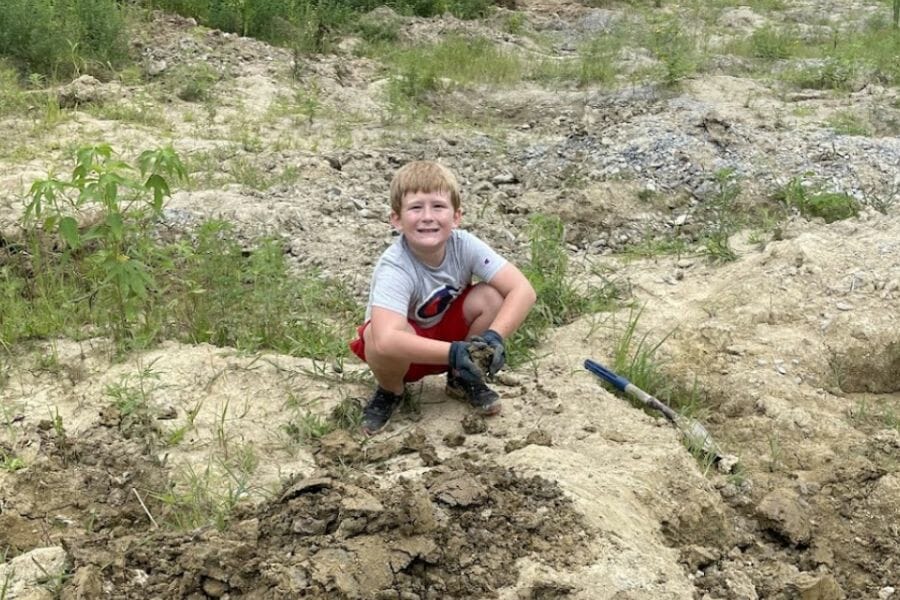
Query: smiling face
(426, 220)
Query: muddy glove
(495, 341)
(461, 363)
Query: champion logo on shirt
(437, 302)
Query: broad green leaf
(68, 230)
(160, 190)
(115, 224)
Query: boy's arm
(518, 298)
(392, 336)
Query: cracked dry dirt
(571, 492)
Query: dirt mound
(571, 492)
(75, 485)
(455, 533)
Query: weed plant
(61, 38)
(309, 427)
(310, 25)
(191, 82)
(199, 498)
(675, 47)
(92, 262)
(811, 202)
(723, 222)
(131, 393)
(636, 358)
(558, 300)
(10, 462)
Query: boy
(422, 304)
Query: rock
(698, 557)
(816, 586)
(505, 178)
(472, 424)
(84, 90)
(458, 489)
(454, 440)
(306, 486)
(22, 576)
(740, 586)
(785, 513)
(214, 588)
(86, 583)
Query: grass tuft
(831, 206)
(559, 301)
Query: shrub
(770, 43)
(95, 263)
(63, 37)
(307, 25)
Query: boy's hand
(495, 341)
(461, 363)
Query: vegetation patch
(810, 202)
(559, 300)
(92, 262)
(63, 37)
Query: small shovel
(694, 433)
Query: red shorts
(451, 328)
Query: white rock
(23, 574)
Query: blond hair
(423, 176)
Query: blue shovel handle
(619, 382)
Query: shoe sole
(487, 411)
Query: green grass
(140, 112)
(10, 462)
(60, 38)
(850, 123)
(812, 202)
(768, 43)
(123, 280)
(418, 73)
(12, 95)
(559, 301)
(312, 25)
(196, 498)
(875, 413)
(634, 357)
(850, 58)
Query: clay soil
(572, 492)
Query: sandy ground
(572, 492)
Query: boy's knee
(483, 299)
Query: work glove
(495, 341)
(461, 363)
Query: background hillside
(704, 194)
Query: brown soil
(572, 492)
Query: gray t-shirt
(403, 284)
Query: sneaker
(482, 398)
(379, 409)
